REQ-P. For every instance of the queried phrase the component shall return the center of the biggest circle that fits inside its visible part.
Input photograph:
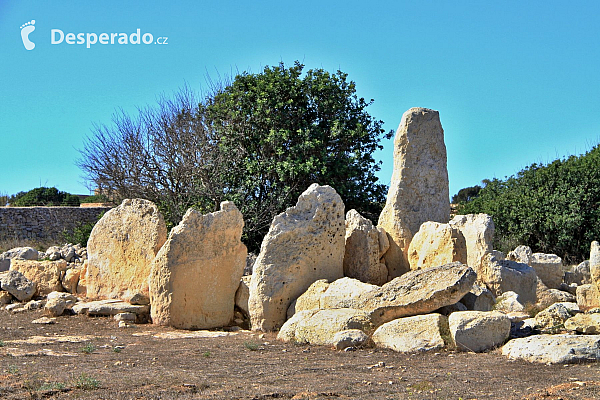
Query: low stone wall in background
(42, 226)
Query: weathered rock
(311, 299)
(419, 188)
(436, 244)
(287, 333)
(452, 308)
(554, 349)
(321, 327)
(305, 243)
(350, 338)
(109, 308)
(479, 298)
(569, 288)
(126, 316)
(478, 330)
(34, 305)
(55, 307)
(552, 296)
(67, 253)
(521, 254)
(478, 231)
(418, 292)
(121, 249)
(548, 267)
(46, 274)
(68, 298)
(17, 285)
(139, 299)
(346, 293)
(362, 258)
(243, 294)
(588, 297)
(584, 323)
(5, 297)
(413, 334)
(70, 280)
(580, 274)
(595, 264)
(509, 302)
(552, 319)
(504, 275)
(19, 253)
(53, 253)
(82, 283)
(197, 271)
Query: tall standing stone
(595, 265)
(305, 243)
(121, 249)
(196, 273)
(419, 188)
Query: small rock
(18, 285)
(127, 317)
(350, 339)
(44, 321)
(55, 306)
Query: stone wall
(42, 226)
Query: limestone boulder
(321, 327)
(350, 338)
(582, 273)
(587, 323)
(287, 333)
(595, 264)
(552, 319)
(549, 268)
(588, 296)
(243, 294)
(70, 280)
(413, 334)
(554, 349)
(505, 275)
(478, 330)
(311, 299)
(305, 243)
(110, 307)
(346, 293)
(18, 253)
(363, 252)
(478, 232)
(55, 307)
(197, 272)
(69, 299)
(436, 244)
(509, 302)
(418, 292)
(121, 248)
(521, 254)
(17, 285)
(419, 188)
(479, 298)
(46, 274)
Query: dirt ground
(92, 358)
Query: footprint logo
(26, 29)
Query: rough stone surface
(20, 253)
(419, 188)
(581, 274)
(552, 296)
(588, 324)
(413, 334)
(55, 307)
(362, 258)
(109, 308)
(554, 349)
(17, 285)
(311, 299)
(478, 330)
(521, 254)
(70, 279)
(321, 327)
(509, 302)
(479, 298)
(68, 298)
(552, 318)
(46, 274)
(418, 292)
(505, 275)
(588, 297)
(478, 231)
(350, 338)
(242, 294)
(436, 244)
(548, 268)
(121, 249)
(196, 273)
(305, 243)
(346, 293)
(5, 297)
(595, 264)
(287, 333)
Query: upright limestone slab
(419, 188)
(595, 264)
(478, 231)
(196, 273)
(305, 243)
(436, 244)
(121, 248)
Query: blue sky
(515, 82)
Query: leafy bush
(81, 232)
(552, 208)
(44, 196)
(97, 198)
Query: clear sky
(515, 82)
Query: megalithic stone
(419, 188)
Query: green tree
(465, 195)
(259, 140)
(552, 208)
(44, 196)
